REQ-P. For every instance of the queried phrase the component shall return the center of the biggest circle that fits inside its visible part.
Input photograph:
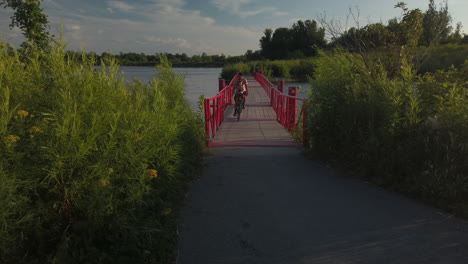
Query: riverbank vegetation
(299, 69)
(176, 60)
(398, 128)
(92, 169)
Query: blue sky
(230, 27)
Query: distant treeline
(417, 30)
(428, 39)
(413, 29)
(177, 60)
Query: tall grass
(441, 57)
(289, 69)
(91, 169)
(407, 131)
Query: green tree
(436, 24)
(281, 43)
(307, 37)
(29, 17)
(301, 40)
(411, 28)
(265, 43)
(365, 39)
(456, 36)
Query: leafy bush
(231, 70)
(289, 69)
(442, 57)
(409, 132)
(90, 168)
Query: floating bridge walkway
(267, 120)
(259, 204)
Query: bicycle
(240, 100)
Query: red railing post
(207, 121)
(223, 104)
(304, 124)
(292, 107)
(214, 108)
(284, 116)
(212, 118)
(216, 113)
(221, 84)
(282, 107)
(281, 86)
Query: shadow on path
(272, 205)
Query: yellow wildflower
(137, 137)
(166, 211)
(110, 170)
(10, 141)
(104, 182)
(151, 173)
(22, 113)
(35, 129)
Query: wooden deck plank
(258, 125)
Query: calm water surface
(198, 81)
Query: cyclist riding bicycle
(240, 89)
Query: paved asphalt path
(272, 205)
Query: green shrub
(229, 71)
(289, 69)
(441, 57)
(90, 168)
(404, 131)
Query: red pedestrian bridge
(270, 117)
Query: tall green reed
(400, 129)
(92, 165)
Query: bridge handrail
(215, 107)
(285, 106)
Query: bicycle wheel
(238, 109)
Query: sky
(229, 27)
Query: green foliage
(177, 60)
(91, 168)
(413, 28)
(230, 70)
(436, 24)
(441, 57)
(289, 69)
(405, 131)
(29, 17)
(303, 39)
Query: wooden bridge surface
(257, 125)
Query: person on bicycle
(240, 89)
(244, 80)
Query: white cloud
(163, 26)
(239, 8)
(179, 42)
(120, 5)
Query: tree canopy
(413, 28)
(301, 40)
(30, 18)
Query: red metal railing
(285, 106)
(214, 109)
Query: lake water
(198, 81)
